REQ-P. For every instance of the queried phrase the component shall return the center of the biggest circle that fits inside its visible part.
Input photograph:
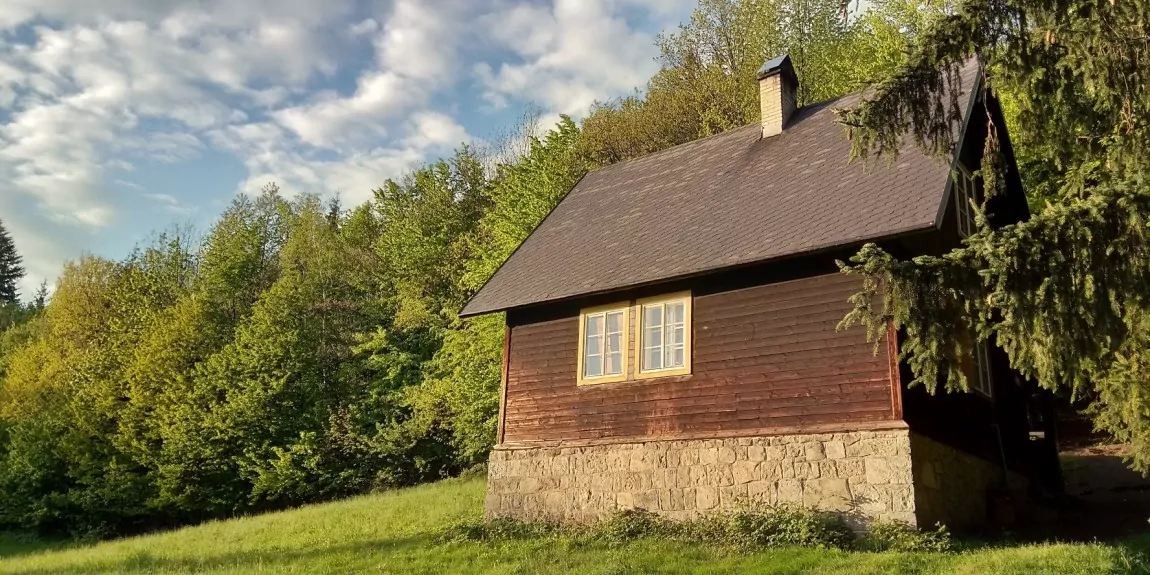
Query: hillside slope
(398, 533)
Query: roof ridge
(629, 161)
(657, 153)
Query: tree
(10, 270)
(1065, 294)
(40, 298)
(708, 83)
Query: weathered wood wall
(766, 359)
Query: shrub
(753, 528)
(787, 526)
(895, 536)
(632, 524)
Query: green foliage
(748, 529)
(903, 538)
(708, 82)
(403, 531)
(301, 351)
(1063, 293)
(786, 526)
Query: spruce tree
(1067, 293)
(10, 270)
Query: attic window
(603, 344)
(965, 192)
(665, 335)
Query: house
(671, 336)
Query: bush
(788, 526)
(632, 524)
(895, 536)
(755, 528)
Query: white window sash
(600, 350)
(664, 348)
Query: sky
(122, 118)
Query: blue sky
(119, 118)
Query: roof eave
(907, 231)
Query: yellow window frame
(625, 308)
(685, 297)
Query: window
(965, 190)
(980, 364)
(603, 344)
(664, 336)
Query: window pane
(615, 322)
(676, 356)
(614, 364)
(593, 346)
(594, 325)
(593, 366)
(653, 317)
(675, 313)
(614, 342)
(652, 358)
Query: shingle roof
(728, 200)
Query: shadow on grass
(17, 544)
(144, 561)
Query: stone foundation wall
(951, 485)
(866, 475)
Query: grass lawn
(397, 533)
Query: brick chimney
(777, 86)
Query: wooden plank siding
(766, 359)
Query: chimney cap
(779, 65)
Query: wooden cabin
(671, 334)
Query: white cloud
(171, 203)
(332, 121)
(269, 157)
(90, 89)
(572, 53)
(415, 55)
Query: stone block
(744, 472)
(733, 496)
(880, 470)
(708, 456)
(756, 453)
(762, 492)
(850, 468)
(625, 500)
(721, 475)
(871, 499)
(814, 452)
(835, 450)
(725, 456)
(689, 456)
(774, 453)
(648, 500)
(641, 461)
(530, 485)
(832, 494)
(790, 491)
(902, 498)
(706, 498)
(770, 471)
